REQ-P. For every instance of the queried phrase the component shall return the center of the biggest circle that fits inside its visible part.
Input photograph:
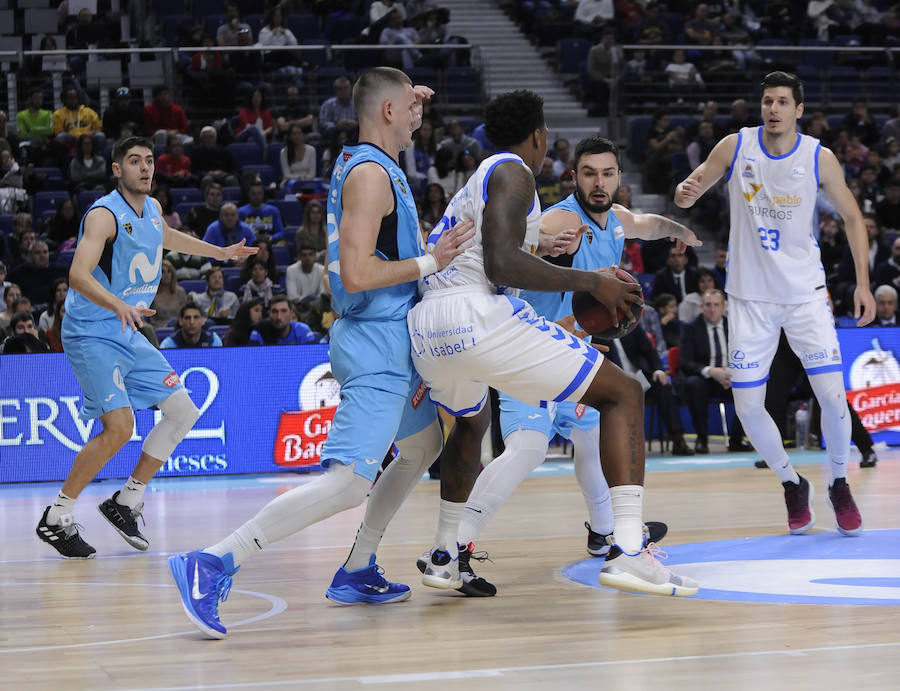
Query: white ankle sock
(132, 493)
(367, 541)
(627, 502)
(61, 506)
(448, 526)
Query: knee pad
(421, 449)
(179, 415)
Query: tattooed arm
(653, 227)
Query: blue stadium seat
(184, 208)
(219, 329)
(46, 201)
(480, 136)
(263, 170)
(193, 285)
(256, 22)
(245, 153)
(273, 156)
(65, 257)
(340, 27)
(845, 84)
(881, 82)
(282, 255)
(463, 85)
(163, 8)
(304, 26)
(231, 194)
(812, 84)
(640, 129)
(52, 173)
(170, 25)
(85, 198)
(164, 332)
(317, 57)
(204, 8)
(291, 211)
(778, 58)
(211, 22)
(571, 54)
(819, 59)
(180, 195)
(646, 281)
(6, 224)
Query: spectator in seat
(381, 8)
(662, 142)
(229, 229)
(11, 293)
(227, 32)
(264, 253)
(605, 66)
(591, 15)
(677, 278)
(858, 121)
(212, 162)
(274, 33)
(690, 308)
(879, 252)
(888, 271)
(701, 29)
(338, 110)
(87, 171)
(298, 159)
(279, 328)
(740, 117)
(832, 244)
(444, 172)
(216, 302)
(191, 331)
(684, 78)
(703, 356)
(37, 276)
(53, 333)
(163, 118)
(202, 215)
(261, 217)
(547, 184)
(255, 121)
(666, 307)
(170, 297)
(170, 216)
(35, 126)
(459, 141)
(888, 209)
(75, 119)
(22, 322)
(304, 277)
(396, 34)
(58, 291)
(885, 306)
(293, 112)
(124, 117)
(629, 14)
(433, 206)
(248, 316)
(562, 157)
(313, 230)
(173, 167)
(260, 285)
(22, 237)
(653, 30)
(702, 144)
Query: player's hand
(452, 242)
(688, 191)
(130, 315)
(568, 323)
(422, 93)
(238, 251)
(660, 377)
(686, 239)
(615, 294)
(563, 242)
(863, 305)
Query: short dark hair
(280, 297)
(595, 145)
(18, 318)
(305, 246)
(190, 306)
(373, 81)
(126, 144)
(662, 299)
(511, 117)
(792, 81)
(158, 89)
(21, 301)
(214, 269)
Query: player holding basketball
(471, 331)
(114, 276)
(527, 429)
(776, 281)
(376, 258)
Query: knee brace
(179, 415)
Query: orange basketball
(594, 318)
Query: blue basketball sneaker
(203, 580)
(365, 585)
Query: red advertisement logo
(419, 395)
(878, 407)
(579, 410)
(171, 381)
(301, 435)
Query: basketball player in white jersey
(776, 281)
(471, 331)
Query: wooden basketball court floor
(115, 622)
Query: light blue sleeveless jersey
(599, 247)
(399, 238)
(130, 265)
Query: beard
(593, 208)
(138, 188)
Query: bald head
(374, 87)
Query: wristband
(427, 265)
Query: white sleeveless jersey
(773, 255)
(468, 268)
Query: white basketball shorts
(465, 340)
(755, 327)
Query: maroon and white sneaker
(846, 515)
(798, 498)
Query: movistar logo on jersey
(141, 264)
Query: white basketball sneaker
(442, 570)
(643, 573)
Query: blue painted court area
(821, 568)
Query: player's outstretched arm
(188, 244)
(707, 173)
(99, 229)
(831, 177)
(561, 233)
(367, 198)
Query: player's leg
(811, 333)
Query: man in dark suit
(703, 355)
(677, 278)
(885, 306)
(635, 354)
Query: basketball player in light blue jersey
(114, 276)
(376, 258)
(600, 237)
(776, 281)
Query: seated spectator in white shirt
(216, 302)
(298, 159)
(304, 277)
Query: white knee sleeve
(836, 425)
(750, 406)
(525, 451)
(179, 415)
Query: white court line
(500, 671)
(278, 606)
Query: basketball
(596, 319)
